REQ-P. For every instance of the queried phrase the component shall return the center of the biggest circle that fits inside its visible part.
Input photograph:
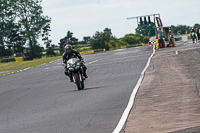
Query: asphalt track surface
(42, 100)
(168, 100)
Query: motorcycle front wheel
(77, 81)
(82, 84)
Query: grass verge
(6, 68)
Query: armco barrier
(4, 60)
(101, 50)
(19, 59)
(123, 47)
(87, 52)
(145, 44)
(93, 51)
(134, 45)
(11, 60)
(178, 38)
(7, 60)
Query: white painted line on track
(132, 97)
(119, 50)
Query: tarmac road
(42, 100)
(168, 98)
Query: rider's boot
(71, 78)
(66, 73)
(85, 75)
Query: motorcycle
(75, 68)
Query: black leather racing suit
(74, 54)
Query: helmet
(68, 48)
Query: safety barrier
(145, 44)
(123, 47)
(93, 51)
(99, 50)
(134, 45)
(7, 60)
(17, 59)
(178, 38)
(183, 38)
(87, 52)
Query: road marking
(176, 52)
(92, 62)
(132, 97)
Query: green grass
(83, 47)
(15, 66)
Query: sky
(85, 17)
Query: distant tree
(197, 26)
(46, 34)
(7, 22)
(47, 40)
(132, 39)
(68, 39)
(62, 44)
(180, 29)
(31, 20)
(107, 34)
(100, 39)
(113, 43)
(15, 41)
(145, 39)
(146, 29)
(129, 38)
(38, 51)
(97, 40)
(86, 39)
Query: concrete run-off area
(168, 100)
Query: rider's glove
(82, 61)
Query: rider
(70, 53)
(193, 35)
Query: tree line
(21, 22)
(104, 40)
(183, 29)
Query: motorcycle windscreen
(72, 61)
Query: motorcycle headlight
(71, 69)
(77, 67)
